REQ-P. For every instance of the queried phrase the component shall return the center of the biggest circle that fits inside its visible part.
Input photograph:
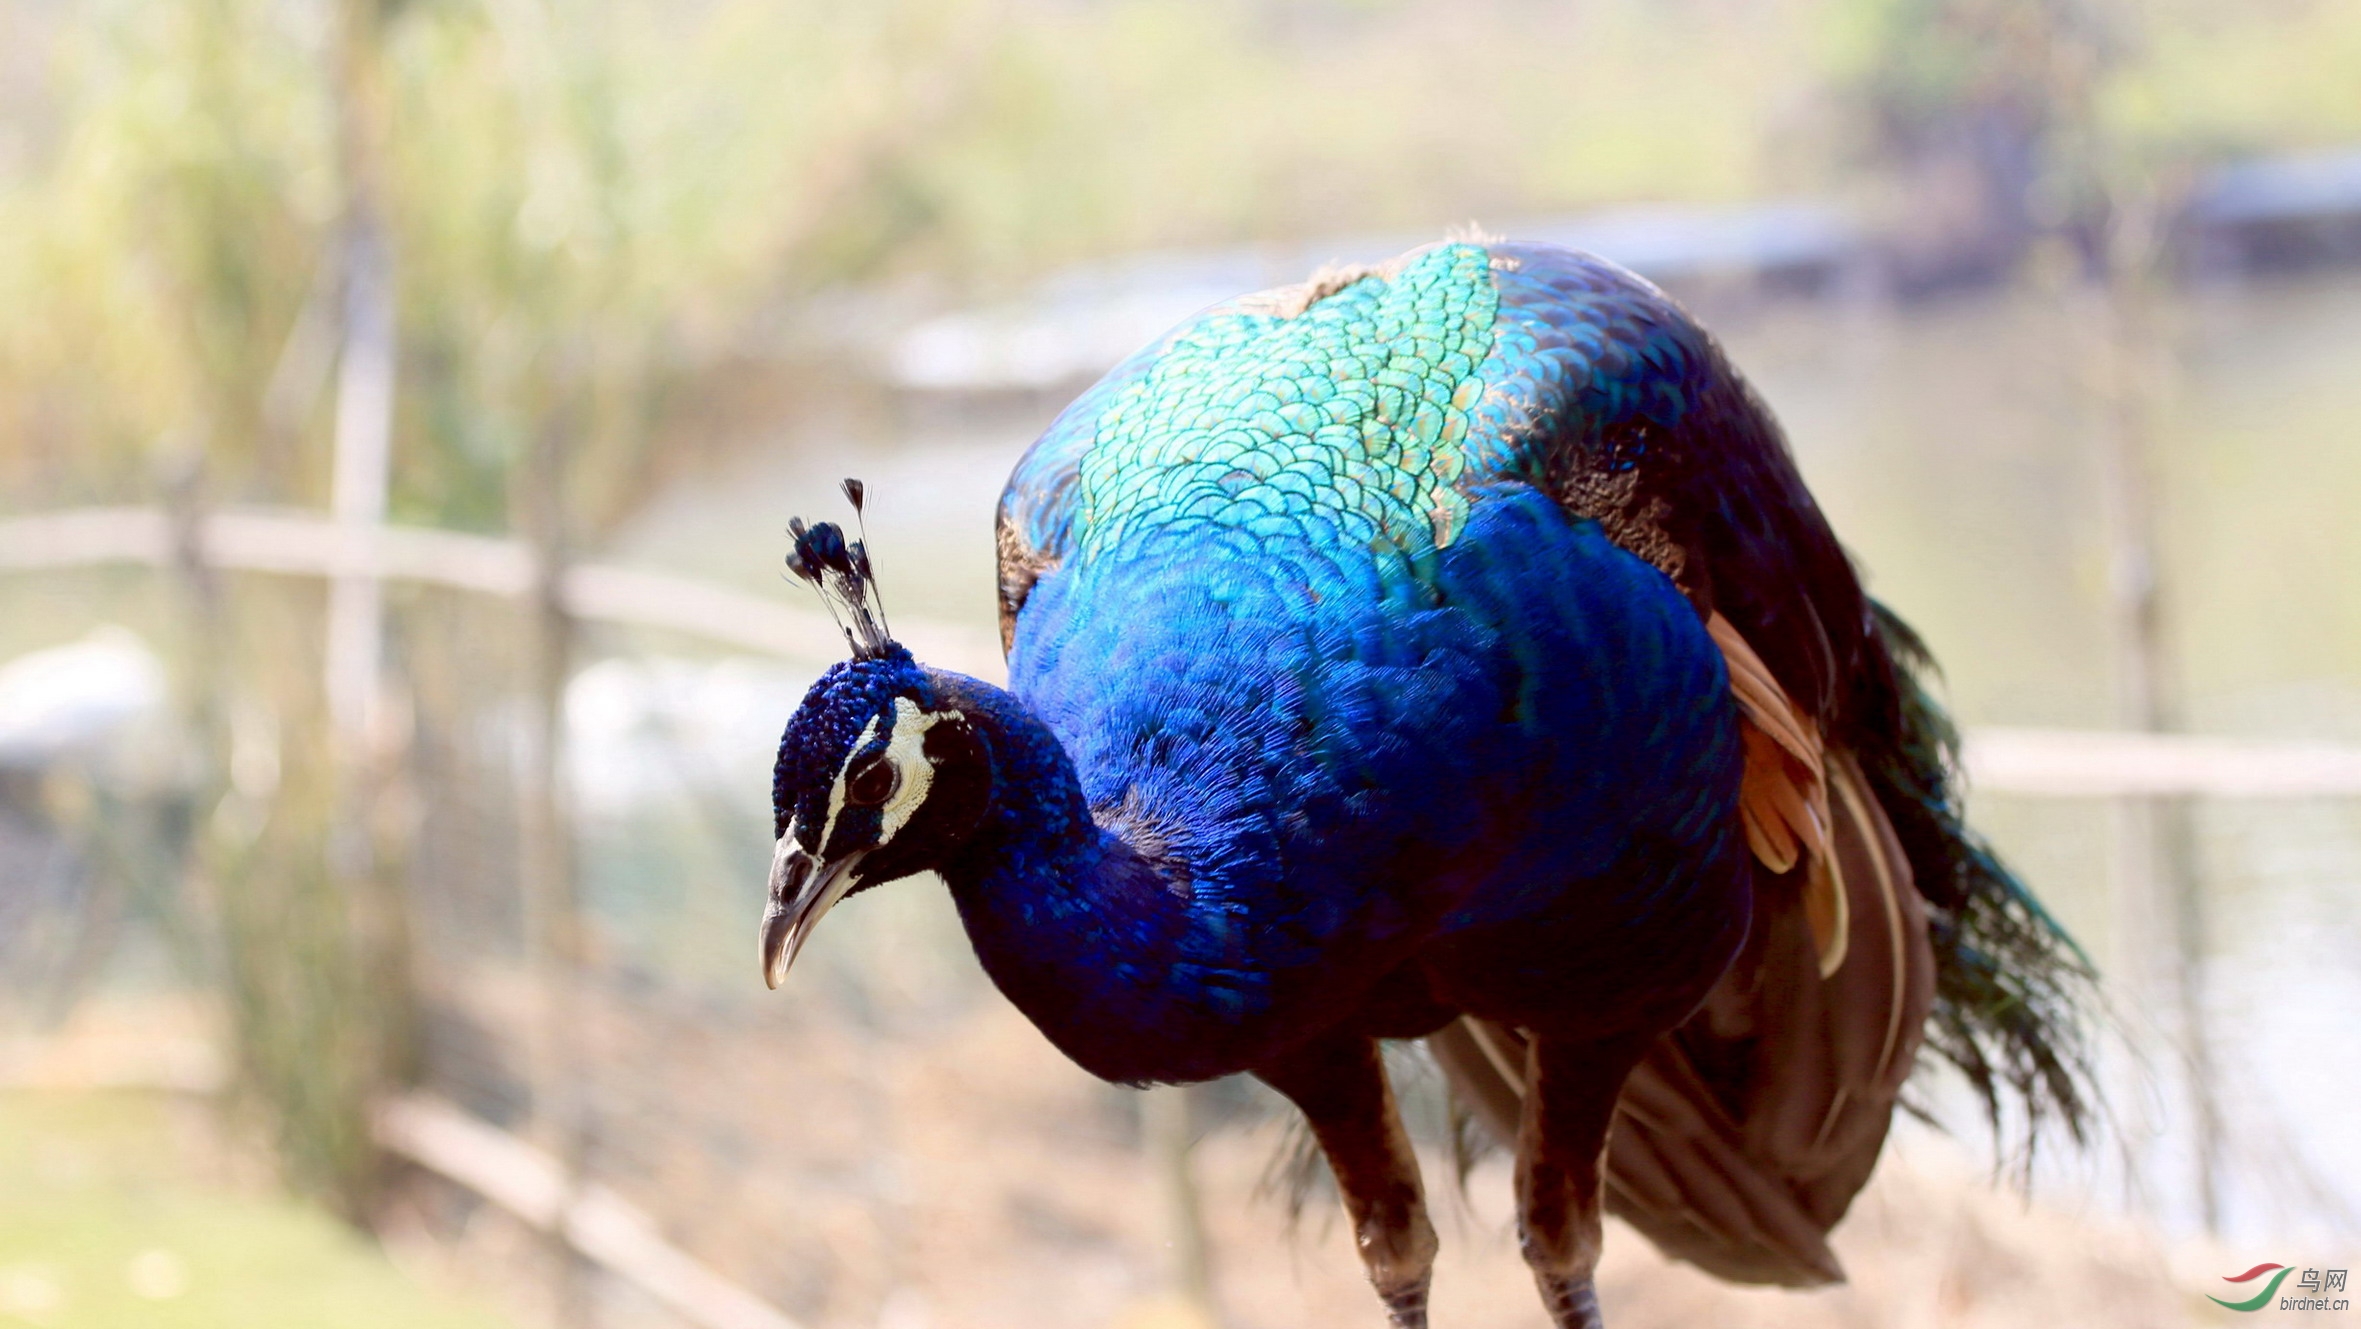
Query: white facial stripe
(907, 751)
(836, 787)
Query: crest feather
(839, 570)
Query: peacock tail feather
(2013, 990)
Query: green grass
(106, 1219)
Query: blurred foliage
(1989, 122)
(596, 208)
(2191, 78)
(316, 1033)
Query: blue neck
(1094, 935)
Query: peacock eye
(871, 781)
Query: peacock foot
(1573, 1302)
(1405, 1306)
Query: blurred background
(401, 405)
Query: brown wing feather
(1783, 795)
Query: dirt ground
(968, 1177)
(957, 1173)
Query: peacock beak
(802, 889)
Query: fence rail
(2041, 762)
(593, 1219)
(294, 543)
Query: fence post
(205, 702)
(1170, 1137)
(553, 928)
(2160, 893)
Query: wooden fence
(2040, 762)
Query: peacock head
(879, 775)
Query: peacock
(1449, 649)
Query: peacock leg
(1339, 1082)
(1571, 1087)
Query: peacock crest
(840, 571)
